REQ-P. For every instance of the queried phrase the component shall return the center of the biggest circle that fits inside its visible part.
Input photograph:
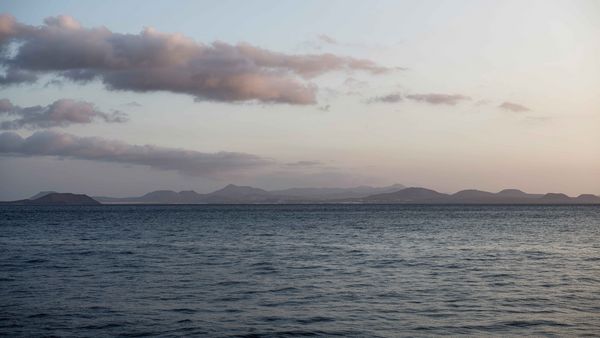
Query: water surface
(285, 270)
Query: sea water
(299, 270)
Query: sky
(119, 98)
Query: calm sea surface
(324, 270)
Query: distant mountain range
(394, 194)
(397, 193)
(507, 196)
(337, 193)
(242, 194)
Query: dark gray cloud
(54, 83)
(390, 98)
(60, 113)
(194, 163)
(16, 76)
(155, 61)
(435, 98)
(514, 107)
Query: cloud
(54, 82)
(390, 98)
(60, 113)
(155, 61)
(325, 108)
(482, 102)
(354, 83)
(189, 162)
(304, 164)
(133, 104)
(17, 77)
(434, 98)
(514, 107)
(354, 86)
(537, 119)
(327, 39)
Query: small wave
(35, 261)
(233, 311)
(267, 270)
(529, 323)
(184, 310)
(230, 283)
(139, 334)
(39, 315)
(101, 326)
(317, 319)
(271, 319)
(229, 299)
(291, 333)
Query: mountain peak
(588, 198)
(232, 189)
(511, 193)
(555, 196)
(407, 195)
(472, 193)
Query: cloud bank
(189, 162)
(155, 61)
(60, 113)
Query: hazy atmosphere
(322, 168)
(121, 100)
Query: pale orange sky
(490, 95)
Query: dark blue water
(300, 270)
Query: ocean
(299, 270)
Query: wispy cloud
(189, 162)
(514, 107)
(327, 39)
(537, 119)
(482, 102)
(435, 98)
(389, 98)
(60, 113)
(133, 104)
(354, 83)
(155, 61)
(304, 164)
(324, 108)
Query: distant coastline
(394, 194)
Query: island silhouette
(393, 194)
